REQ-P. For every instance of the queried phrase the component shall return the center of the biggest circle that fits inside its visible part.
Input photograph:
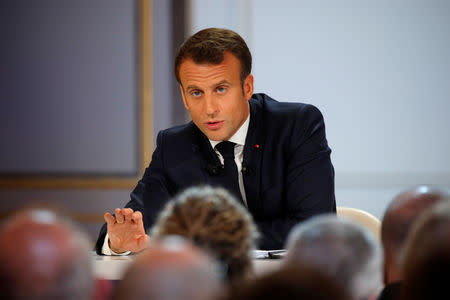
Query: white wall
(378, 71)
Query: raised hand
(126, 231)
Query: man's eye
(196, 93)
(221, 89)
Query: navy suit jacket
(289, 173)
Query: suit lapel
(207, 157)
(254, 145)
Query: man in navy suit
(277, 163)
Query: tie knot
(226, 149)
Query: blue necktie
(230, 172)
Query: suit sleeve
(309, 184)
(149, 195)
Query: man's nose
(211, 105)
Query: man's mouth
(214, 125)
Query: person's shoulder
(178, 134)
(179, 129)
(271, 107)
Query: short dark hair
(293, 282)
(209, 45)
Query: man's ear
(184, 98)
(248, 87)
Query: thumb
(143, 241)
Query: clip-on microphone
(214, 169)
(245, 169)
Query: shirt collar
(239, 136)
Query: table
(113, 267)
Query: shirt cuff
(107, 251)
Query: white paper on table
(260, 254)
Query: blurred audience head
(43, 256)
(344, 250)
(213, 220)
(299, 282)
(404, 209)
(170, 269)
(427, 256)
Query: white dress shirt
(239, 139)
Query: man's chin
(214, 136)
(217, 135)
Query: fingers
(124, 215)
(137, 218)
(109, 219)
(127, 213)
(119, 216)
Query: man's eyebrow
(222, 82)
(192, 87)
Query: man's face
(214, 96)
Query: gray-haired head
(343, 249)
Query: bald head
(427, 256)
(43, 257)
(170, 269)
(401, 213)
